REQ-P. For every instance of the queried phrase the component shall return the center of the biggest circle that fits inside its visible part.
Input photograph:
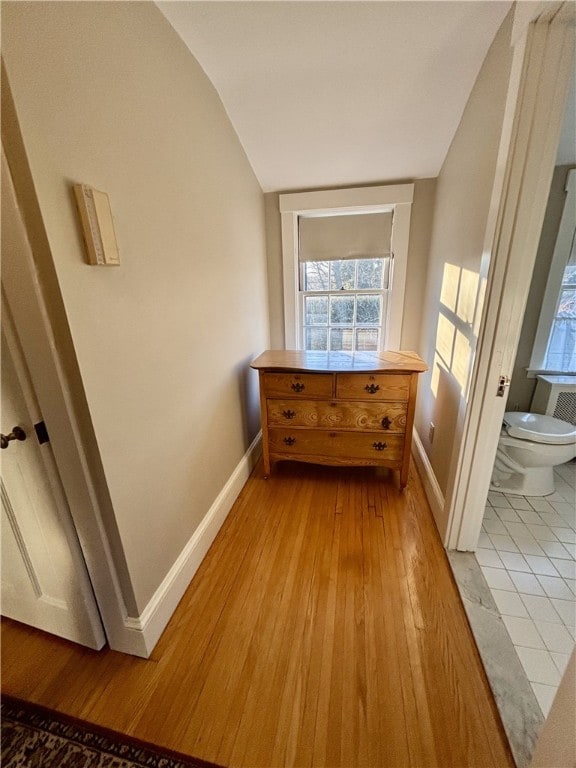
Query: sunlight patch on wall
(458, 320)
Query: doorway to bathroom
(527, 545)
(521, 611)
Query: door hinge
(503, 383)
(41, 433)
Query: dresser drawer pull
(289, 440)
(372, 388)
(297, 386)
(288, 414)
(386, 423)
(379, 446)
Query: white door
(43, 575)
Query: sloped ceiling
(336, 93)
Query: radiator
(556, 396)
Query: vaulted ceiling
(338, 93)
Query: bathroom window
(344, 256)
(555, 345)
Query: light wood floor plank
(323, 629)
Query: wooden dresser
(340, 408)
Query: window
(345, 254)
(555, 345)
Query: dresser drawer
(346, 446)
(298, 384)
(373, 386)
(384, 417)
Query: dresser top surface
(331, 362)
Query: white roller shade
(356, 236)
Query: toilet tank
(556, 396)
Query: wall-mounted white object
(97, 226)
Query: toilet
(529, 448)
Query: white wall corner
(431, 488)
(147, 628)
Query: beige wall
(107, 94)
(420, 229)
(453, 288)
(522, 388)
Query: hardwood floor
(323, 629)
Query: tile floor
(527, 553)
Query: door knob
(16, 434)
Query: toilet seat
(539, 428)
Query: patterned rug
(34, 737)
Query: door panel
(43, 576)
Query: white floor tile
(541, 565)
(484, 541)
(510, 604)
(566, 609)
(514, 561)
(541, 533)
(526, 583)
(566, 568)
(495, 526)
(497, 578)
(572, 584)
(544, 696)
(561, 660)
(539, 666)
(505, 543)
(556, 637)
(498, 499)
(565, 490)
(529, 546)
(540, 504)
(510, 516)
(565, 535)
(530, 516)
(523, 632)
(564, 508)
(518, 530)
(555, 549)
(489, 557)
(490, 513)
(541, 608)
(552, 519)
(555, 587)
(519, 502)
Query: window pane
(368, 310)
(342, 310)
(366, 339)
(316, 338)
(316, 275)
(341, 339)
(561, 354)
(567, 303)
(370, 273)
(342, 275)
(316, 310)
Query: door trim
(24, 292)
(540, 76)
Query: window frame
(554, 282)
(395, 198)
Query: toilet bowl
(529, 447)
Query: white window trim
(554, 282)
(397, 198)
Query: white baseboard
(431, 488)
(148, 627)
